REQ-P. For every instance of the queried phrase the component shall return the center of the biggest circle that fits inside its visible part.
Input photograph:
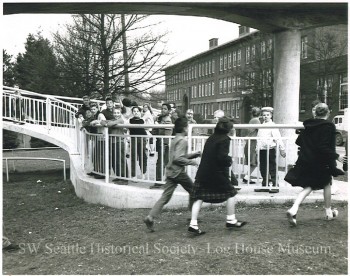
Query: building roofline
(212, 49)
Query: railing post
(64, 170)
(77, 134)
(7, 170)
(48, 114)
(189, 148)
(106, 138)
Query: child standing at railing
(137, 144)
(267, 149)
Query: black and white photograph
(174, 138)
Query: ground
(59, 233)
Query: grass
(61, 234)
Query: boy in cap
(267, 150)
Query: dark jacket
(317, 157)
(137, 131)
(215, 162)
(317, 143)
(82, 110)
(108, 114)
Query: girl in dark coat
(213, 182)
(316, 162)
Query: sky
(187, 36)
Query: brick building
(239, 74)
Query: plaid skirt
(216, 191)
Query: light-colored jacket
(273, 133)
(179, 157)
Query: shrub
(9, 139)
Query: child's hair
(321, 110)
(137, 107)
(93, 105)
(180, 124)
(256, 111)
(126, 102)
(168, 106)
(108, 99)
(224, 125)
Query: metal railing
(55, 115)
(128, 157)
(33, 158)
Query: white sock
(329, 212)
(194, 224)
(231, 218)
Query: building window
(304, 47)
(213, 88)
(253, 53)
(213, 66)
(239, 58)
(200, 70)
(269, 48)
(209, 67)
(225, 62)
(343, 96)
(238, 82)
(229, 61)
(234, 83)
(225, 85)
(220, 86)
(206, 90)
(263, 49)
(229, 84)
(237, 109)
(247, 55)
(209, 88)
(206, 68)
(221, 63)
(234, 56)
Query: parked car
(341, 123)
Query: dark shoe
(250, 182)
(91, 174)
(292, 219)
(149, 223)
(97, 176)
(156, 186)
(11, 247)
(238, 224)
(274, 191)
(196, 232)
(127, 155)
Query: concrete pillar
(286, 76)
(287, 85)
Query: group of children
(213, 184)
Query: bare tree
(97, 42)
(328, 50)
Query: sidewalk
(247, 195)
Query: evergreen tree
(8, 70)
(36, 70)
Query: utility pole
(125, 57)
